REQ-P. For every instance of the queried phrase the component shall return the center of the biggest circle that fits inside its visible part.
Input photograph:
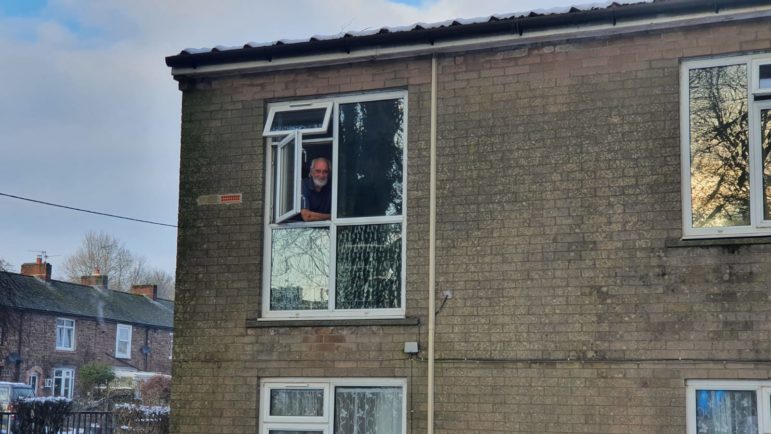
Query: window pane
(765, 141)
(371, 144)
(368, 410)
(283, 431)
(369, 266)
(299, 272)
(294, 402)
(720, 194)
(298, 119)
(764, 76)
(726, 412)
(286, 183)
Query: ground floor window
(327, 406)
(64, 382)
(729, 406)
(32, 381)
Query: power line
(87, 211)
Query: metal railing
(81, 422)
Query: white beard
(320, 184)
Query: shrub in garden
(41, 415)
(141, 419)
(156, 390)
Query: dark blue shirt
(316, 201)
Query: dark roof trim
(457, 31)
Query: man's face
(320, 173)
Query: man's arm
(312, 216)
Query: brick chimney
(39, 269)
(98, 280)
(149, 291)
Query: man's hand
(310, 216)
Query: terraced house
(555, 221)
(49, 329)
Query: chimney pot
(96, 280)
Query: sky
(90, 115)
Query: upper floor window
(65, 334)
(123, 341)
(726, 134)
(335, 207)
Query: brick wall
(94, 341)
(558, 199)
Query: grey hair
(313, 163)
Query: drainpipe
(20, 335)
(432, 253)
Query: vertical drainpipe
(20, 335)
(432, 252)
(147, 345)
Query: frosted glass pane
(299, 272)
(368, 410)
(726, 412)
(369, 266)
(294, 402)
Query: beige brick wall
(558, 196)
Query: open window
(310, 118)
(350, 264)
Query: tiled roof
(64, 298)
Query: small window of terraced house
(345, 257)
(65, 334)
(123, 341)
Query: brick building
(592, 254)
(49, 328)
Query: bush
(95, 374)
(141, 419)
(156, 390)
(41, 415)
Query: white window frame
(171, 345)
(335, 222)
(297, 106)
(71, 328)
(118, 340)
(757, 227)
(292, 139)
(325, 423)
(762, 389)
(36, 377)
(66, 375)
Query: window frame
(297, 106)
(334, 222)
(762, 389)
(757, 226)
(118, 340)
(325, 424)
(36, 382)
(72, 337)
(71, 378)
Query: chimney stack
(39, 269)
(97, 280)
(149, 291)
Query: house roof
(64, 298)
(608, 12)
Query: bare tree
(5, 265)
(102, 251)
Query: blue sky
(89, 113)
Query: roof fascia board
(474, 44)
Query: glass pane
(720, 174)
(5, 393)
(764, 76)
(371, 144)
(368, 410)
(296, 402)
(765, 141)
(299, 272)
(726, 412)
(369, 266)
(283, 431)
(298, 119)
(286, 156)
